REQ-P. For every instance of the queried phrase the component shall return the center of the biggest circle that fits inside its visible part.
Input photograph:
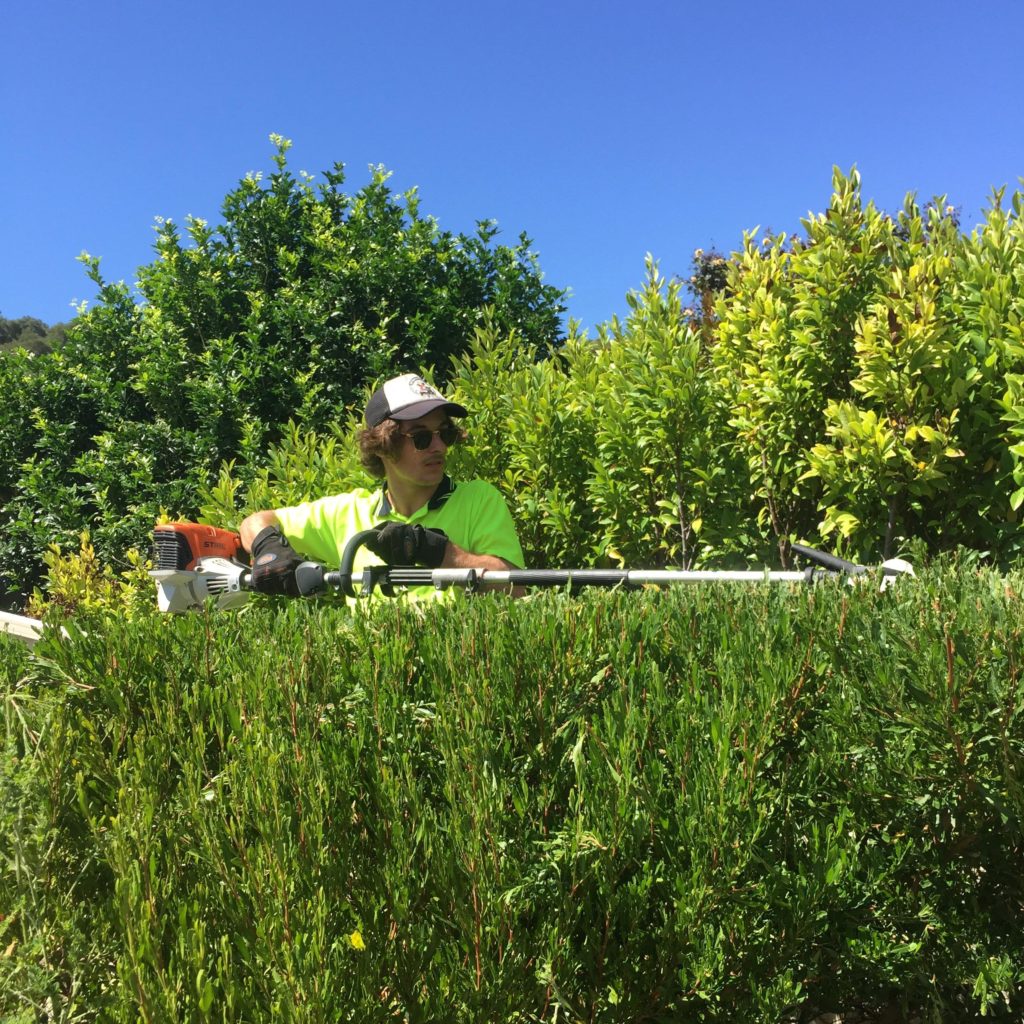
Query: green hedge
(708, 804)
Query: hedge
(709, 804)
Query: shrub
(872, 370)
(707, 804)
(282, 313)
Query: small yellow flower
(356, 939)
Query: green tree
(22, 329)
(30, 333)
(282, 312)
(873, 369)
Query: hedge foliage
(708, 804)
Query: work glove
(273, 563)
(405, 544)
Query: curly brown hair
(384, 440)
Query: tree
(283, 312)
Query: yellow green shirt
(472, 513)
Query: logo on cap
(421, 387)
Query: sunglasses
(422, 438)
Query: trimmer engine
(195, 563)
(181, 545)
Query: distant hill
(30, 333)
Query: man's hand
(273, 563)
(404, 544)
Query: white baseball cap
(407, 398)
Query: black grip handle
(309, 578)
(575, 578)
(348, 558)
(828, 561)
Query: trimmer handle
(309, 578)
(348, 556)
(823, 558)
(312, 577)
(342, 578)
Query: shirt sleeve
(309, 530)
(492, 530)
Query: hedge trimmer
(200, 563)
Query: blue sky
(604, 130)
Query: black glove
(273, 563)
(403, 544)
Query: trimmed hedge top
(717, 803)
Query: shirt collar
(444, 491)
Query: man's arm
(457, 558)
(273, 558)
(253, 525)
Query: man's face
(419, 468)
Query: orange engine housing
(180, 545)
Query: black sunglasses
(421, 438)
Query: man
(422, 517)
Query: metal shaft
(442, 579)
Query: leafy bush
(707, 804)
(302, 466)
(872, 369)
(281, 313)
(77, 582)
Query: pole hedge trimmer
(200, 563)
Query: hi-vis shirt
(473, 514)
